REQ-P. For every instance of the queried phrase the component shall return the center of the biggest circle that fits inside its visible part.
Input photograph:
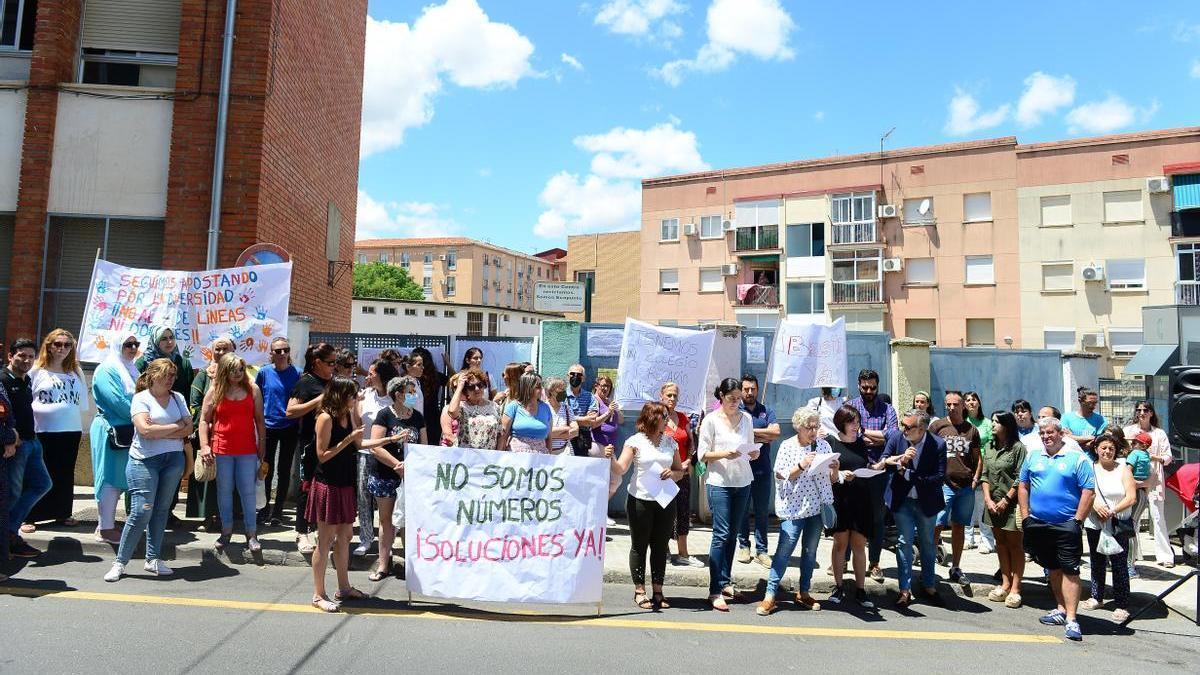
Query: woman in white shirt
(799, 496)
(1146, 420)
(656, 456)
(1116, 493)
(59, 401)
(726, 446)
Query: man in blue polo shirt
(766, 429)
(1057, 486)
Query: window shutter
(979, 270)
(132, 25)
(977, 207)
(1056, 210)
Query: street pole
(587, 299)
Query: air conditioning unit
(1158, 185)
(892, 264)
(729, 270)
(1093, 339)
(887, 210)
(728, 226)
(1093, 273)
(442, 257)
(689, 230)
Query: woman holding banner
(726, 446)
(679, 427)
(527, 420)
(478, 417)
(113, 387)
(656, 456)
(392, 428)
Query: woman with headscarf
(113, 386)
(202, 496)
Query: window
(856, 276)
(539, 272)
(919, 271)
(431, 313)
(485, 295)
(710, 227)
(979, 270)
(1056, 210)
(524, 319)
(977, 207)
(496, 262)
(669, 229)
(129, 48)
(1058, 276)
(1123, 206)
(427, 286)
(362, 258)
(404, 260)
(449, 314)
(451, 286)
(1062, 339)
(586, 276)
(389, 311)
(1188, 257)
(383, 257)
(486, 274)
(852, 207)
(475, 324)
(368, 309)
(711, 281)
(410, 312)
(493, 323)
(506, 319)
(668, 281)
(921, 329)
(981, 332)
(1125, 273)
(20, 14)
(757, 214)
(808, 298)
(452, 259)
(1124, 341)
(427, 257)
(805, 240)
(918, 211)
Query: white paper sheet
(821, 462)
(747, 448)
(660, 490)
(866, 473)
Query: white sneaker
(985, 548)
(610, 522)
(158, 567)
(115, 573)
(361, 550)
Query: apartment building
(108, 136)
(611, 261)
(462, 270)
(405, 317)
(1107, 225)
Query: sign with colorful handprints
(246, 304)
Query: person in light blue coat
(112, 430)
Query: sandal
(351, 593)
(904, 600)
(378, 574)
(659, 602)
(324, 604)
(730, 593)
(28, 528)
(642, 601)
(718, 603)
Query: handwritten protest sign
(809, 354)
(496, 355)
(246, 304)
(653, 355)
(504, 526)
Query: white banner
(496, 355)
(246, 304)
(503, 526)
(809, 355)
(654, 355)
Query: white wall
(110, 155)
(399, 324)
(12, 133)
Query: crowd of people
(1021, 485)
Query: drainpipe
(214, 209)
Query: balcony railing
(760, 238)
(1187, 292)
(757, 295)
(857, 292)
(854, 233)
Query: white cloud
(1196, 68)
(819, 116)
(609, 197)
(572, 61)
(405, 66)
(1185, 32)
(1107, 116)
(639, 17)
(485, 172)
(1044, 95)
(377, 220)
(760, 28)
(965, 117)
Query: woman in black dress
(852, 502)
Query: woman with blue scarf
(113, 386)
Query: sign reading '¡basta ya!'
(503, 526)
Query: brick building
(612, 261)
(108, 119)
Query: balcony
(759, 238)
(1185, 223)
(757, 295)
(1187, 292)
(854, 233)
(857, 292)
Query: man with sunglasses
(276, 383)
(916, 464)
(28, 479)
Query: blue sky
(523, 121)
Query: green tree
(381, 280)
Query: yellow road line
(459, 615)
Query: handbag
(1121, 527)
(120, 436)
(828, 516)
(1108, 544)
(204, 471)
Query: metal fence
(1117, 398)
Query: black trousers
(650, 525)
(281, 450)
(60, 450)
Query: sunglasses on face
(907, 427)
(472, 386)
(132, 344)
(60, 345)
(329, 363)
(1142, 410)
(285, 350)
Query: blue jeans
(239, 471)
(760, 498)
(807, 533)
(910, 520)
(960, 502)
(728, 506)
(28, 481)
(153, 484)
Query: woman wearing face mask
(372, 399)
(392, 429)
(565, 426)
(113, 387)
(478, 418)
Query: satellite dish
(923, 209)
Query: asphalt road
(59, 616)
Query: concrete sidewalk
(192, 544)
